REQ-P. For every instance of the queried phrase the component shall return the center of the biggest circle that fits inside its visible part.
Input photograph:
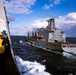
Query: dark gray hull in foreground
(7, 61)
(8, 64)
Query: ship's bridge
(51, 33)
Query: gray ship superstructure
(49, 37)
(51, 33)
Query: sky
(27, 15)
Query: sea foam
(30, 68)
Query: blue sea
(35, 61)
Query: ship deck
(8, 65)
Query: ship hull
(48, 45)
(54, 46)
(69, 47)
(8, 64)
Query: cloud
(18, 30)
(67, 23)
(42, 22)
(23, 30)
(57, 1)
(52, 4)
(62, 22)
(10, 18)
(71, 31)
(47, 6)
(19, 6)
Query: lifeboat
(40, 37)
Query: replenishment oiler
(51, 38)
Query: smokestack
(51, 24)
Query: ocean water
(36, 61)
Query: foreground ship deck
(8, 64)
